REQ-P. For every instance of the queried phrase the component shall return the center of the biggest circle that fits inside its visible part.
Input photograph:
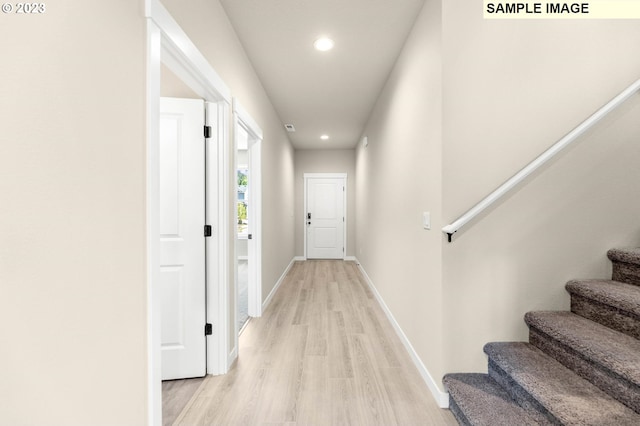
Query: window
(243, 180)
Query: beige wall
(72, 216)
(325, 161)
(511, 89)
(469, 102)
(206, 23)
(398, 177)
(72, 259)
(172, 87)
(72, 162)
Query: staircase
(579, 368)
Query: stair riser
(606, 315)
(476, 399)
(521, 396)
(617, 387)
(457, 413)
(626, 273)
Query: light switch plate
(426, 220)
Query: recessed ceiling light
(323, 44)
(324, 137)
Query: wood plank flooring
(176, 394)
(323, 353)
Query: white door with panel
(325, 217)
(182, 244)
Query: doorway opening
(168, 45)
(243, 201)
(248, 259)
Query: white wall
(511, 89)
(72, 216)
(325, 161)
(398, 177)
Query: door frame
(306, 177)
(167, 43)
(241, 118)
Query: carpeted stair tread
(476, 399)
(541, 384)
(625, 255)
(607, 358)
(617, 352)
(612, 293)
(626, 264)
(611, 303)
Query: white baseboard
(231, 358)
(275, 287)
(346, 259)
(442, 398)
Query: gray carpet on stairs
(483, 401)
(606, 358)
(579, 368)
(625, 265)
(611, 303)
(545, 386)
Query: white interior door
(182, 244)
(325, 218)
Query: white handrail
(541, 160)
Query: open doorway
(243, 202)
(247, 142)
(168, 45)
(182, 243)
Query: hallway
(323, 353)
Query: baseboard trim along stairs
(580, 367)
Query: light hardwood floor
(323, 353)
(175, 396)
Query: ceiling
(331, 92)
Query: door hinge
(208, 329)
(250, 236)
(207, 230)
(207, 132)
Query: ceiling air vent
(289, 127)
